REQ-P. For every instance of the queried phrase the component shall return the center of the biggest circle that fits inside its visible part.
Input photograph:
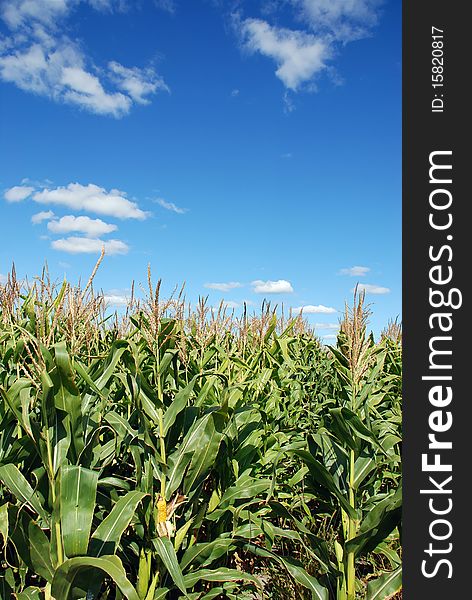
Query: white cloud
(298, 55)
(330, 336)
(44, 215)
(327, 25)
(346, 20)
(171, 206)
(224, 287)
(115, 299)
(310, 309)
(18, 193)
(16, 13)
(39, 57)
(93, 228)
(137, 83)
(91, 198)
(31, 69)
(3, 279)
(327, 325)
(84, 89)
(281, 286)
(372, 289)
(355, 271)
(58, 72)
(234, 93)
(83, 245)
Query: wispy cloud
(93, 228)
(224, 287)
(301, 54)
(44, 215)
(326, 325)
(330, 336)
(18, 13)
(84, 89)
(298, 55)
(40, 58)
(355, 271)
(84, 245)
(139, 84)
(18, 193)
(370, 288)
(117, 298)
(171, 206)
(281, 286)
(311, 309)
(3, 279)
(78, 197)
(341, 20)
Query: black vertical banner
(436, 309)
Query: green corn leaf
(359, 428)
(385, 586)
(67, 397)
(295, 569)
(3, 525)
(31, 543)
(221, 574)
(166, 552)
(217, 592)
(177, 405)
(120, 425)
(324, 478)
(362, 467)
(244, 487)
(84, 374)
(377, 525)
(392, 556)
(17, 398)
(71, 577)
(114, 357)
(181, 533)
(21, 489)
(78, 488)
(30, 593)
(180, 459)
(205, 553)
(166, 361)
(108, 534)
(203, 458)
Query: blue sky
(250, 149)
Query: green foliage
(179, 459)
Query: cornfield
(170, 453)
